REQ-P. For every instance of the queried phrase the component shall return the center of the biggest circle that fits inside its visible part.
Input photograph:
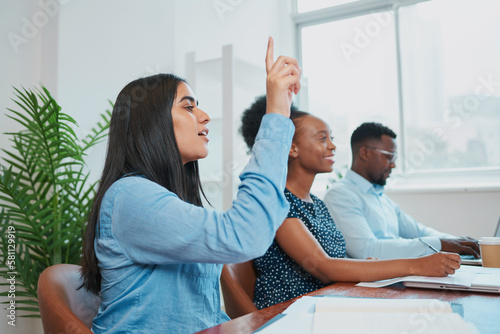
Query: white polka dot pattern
(279, 277)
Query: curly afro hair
(252, 117)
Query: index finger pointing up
(269, 54)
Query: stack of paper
(365, 315)
(468, 278)
(321, 315)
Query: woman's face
(189, 125)
(312, 148)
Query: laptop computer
(470, 259)
(497, 232)
(480, 279)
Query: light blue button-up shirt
(161, 258)
(373, 225)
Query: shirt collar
(365, 185)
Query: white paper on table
(479, 270)
(320, 315)
(390, 323)
(380, 305)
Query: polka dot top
(280, 278)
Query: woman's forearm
(351, 270)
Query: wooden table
(481, 309)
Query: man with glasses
(372, 224)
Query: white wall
(103, 45)
(19, 65)
(84, 52)
(85, 56)
(473, 213)
(205, 26)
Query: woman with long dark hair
(309, 251)
(151, 251)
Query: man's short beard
(381, 181)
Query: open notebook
(334, 314)
(481, 280)
(371, 315)
(467, 278)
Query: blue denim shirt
(373, 225)
(161, 258)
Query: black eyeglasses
(393, 155)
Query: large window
(451, 84)
(429, 70)
(344, 87)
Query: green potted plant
(45, 195)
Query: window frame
(464, 179)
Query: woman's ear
(294, 151)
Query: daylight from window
(442, 98)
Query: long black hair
(141, 141)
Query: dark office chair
(63, 307)
(238, 284)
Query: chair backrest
(238, 285)
(63, 307)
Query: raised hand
(283, 80)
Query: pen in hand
(428, 245)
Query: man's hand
(464, 245)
